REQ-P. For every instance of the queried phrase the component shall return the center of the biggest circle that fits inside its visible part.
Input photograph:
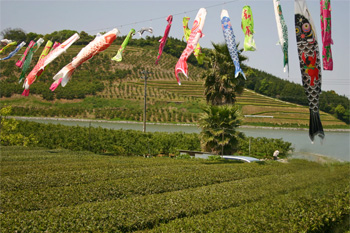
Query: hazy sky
(94, 16)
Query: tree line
(19, 35)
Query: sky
(47, 16)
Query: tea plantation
(58, 190)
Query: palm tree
(221, 86)
(219, 125)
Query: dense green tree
(340, 111)
(264, 86)
(85, 38)
(293, 93)
(59, 36)
(219, 134)
(32, 36)
(221, 117)
(16, 34)
(220, 84)
(262, 147)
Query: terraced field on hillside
(256, 108)
(138, 59)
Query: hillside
(104, 89)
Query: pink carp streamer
(164, 38)
(196, 34)
(55, 45)
(187, 32)
(29, 58)
(326, 32)
(20, 62)
(45, 51)
(96, 46)
(40, 66)
(60, 49)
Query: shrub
(8, 135)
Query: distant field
(59, 190)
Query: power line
(158, 18)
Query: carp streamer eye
(306, 27)
(297, 30)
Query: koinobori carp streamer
(197, 51)
(96, 46)
(282, 33)
(248, 29)
(20, 62)
(8, 46)
(14, 51)
(310, 64)
(230, 41)
(119, 56)
(145, 29)
(42, 55)
(29, 57)
(196, 34)
(57, 50)
(164, 38)
(326, 32)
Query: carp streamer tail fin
(26, 88)
(118, 57)
(315, 127)
(181, 67)
(63, 76)
(239, 70)
(25, 92)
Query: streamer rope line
(159, 18)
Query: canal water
(335, 146)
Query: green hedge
(133, 142)
(263, 147)
(101, 140)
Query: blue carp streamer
(230, 41)
(14, 51)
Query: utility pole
(249, 145)
(222, 146)
(145, 74)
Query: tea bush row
(304, 200)
(25, 192)
(314, 209)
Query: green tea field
(45, 190)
